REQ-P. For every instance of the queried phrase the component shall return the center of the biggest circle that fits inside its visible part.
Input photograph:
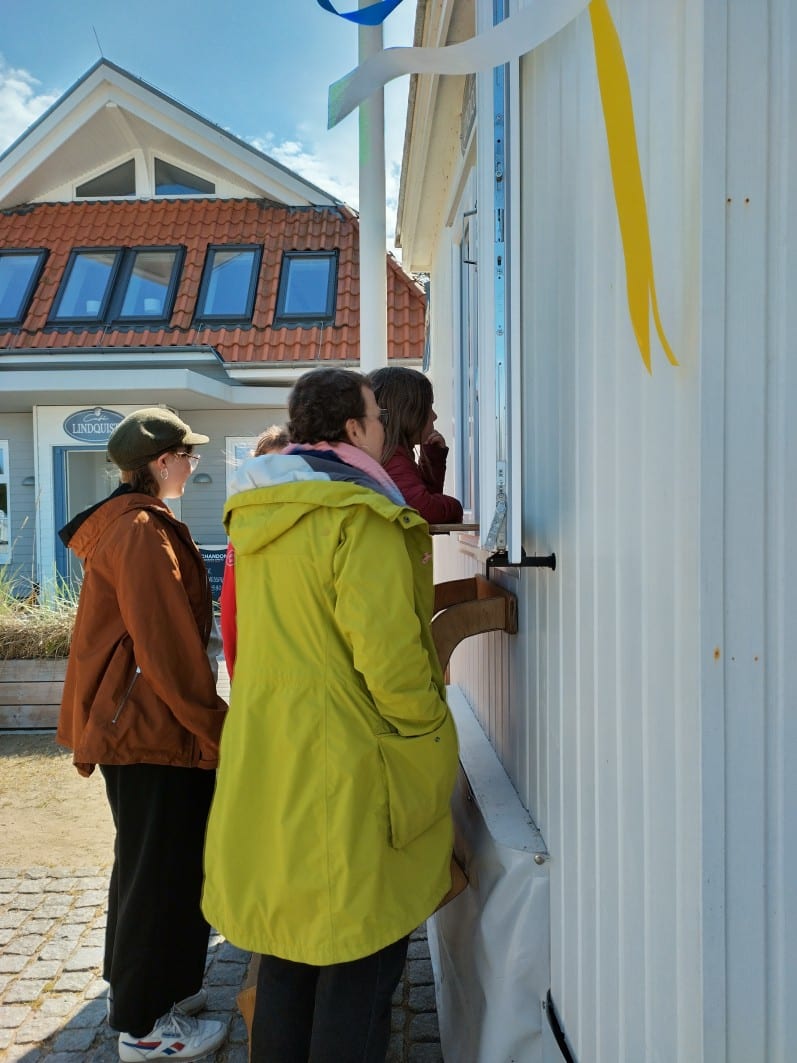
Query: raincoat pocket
(420, 771)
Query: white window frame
(237, 450)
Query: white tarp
(490, 947)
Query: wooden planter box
(30, 693)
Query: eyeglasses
(193, 459)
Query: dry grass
(30, 629)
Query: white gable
(110, 117)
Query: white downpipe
(373, 234)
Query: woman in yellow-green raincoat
(330, 834)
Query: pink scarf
(353, 456)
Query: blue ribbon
(373, 15)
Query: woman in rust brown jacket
(140, 701)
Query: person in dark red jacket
(407, 401)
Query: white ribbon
(515, 36)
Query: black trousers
(335, 1014)
(156, 937)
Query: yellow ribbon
(629, 192)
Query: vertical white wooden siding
(645, 711)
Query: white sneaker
(188, 1005)
(174, 1036)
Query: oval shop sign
(92, 426)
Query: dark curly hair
(408, 397)
(321, 402)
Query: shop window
(111, 284)
(229, 281)
(171, 180)
(308, 288)
(120, 181)
(19, 275)
(5, 510)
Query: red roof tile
(195, 224)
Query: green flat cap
(145, 434)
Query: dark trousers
(156, 937)
(335, 1014)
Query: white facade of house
(644, 711)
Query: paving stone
(6, 1037)
(24, 991)
(422, 998)
(430, 1053)
(55, 950)
(90, 1016)
(91, 899)
(84, 959)
(45, 968)
(421, 972)
(37, 1028)
(74, 1040)
(22, 1054)
(59, 1003)
(26, 944)
(222, 998)
(25, 902)
(10, 1017)
(397, 1019)
(418, 948)
(225, 973)
(12, 919)
(424, 1027)
(73, 981)
(12, 964)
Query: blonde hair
(274, 438)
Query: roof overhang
(187, 378)
(433, 157)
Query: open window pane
(229, 283)
(84, 293)
(19, 272)
(120, 181)
(149, 284)
(307, 287)
(171, 180)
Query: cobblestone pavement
(52, 998)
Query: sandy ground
(49, 815)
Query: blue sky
(259, 69)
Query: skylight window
(111, 284)
(148, 283)
(227, 292)
(120, 181)
(308, 288)
(171, 180)
(19, 275)
(86, 288)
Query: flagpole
(373, 234)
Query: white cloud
(20, 103)
(331, 162)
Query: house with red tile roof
(149, 257)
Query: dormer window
(308, 288)
(120, 181)
(171, 180)
(227, 292)
(106, 285)
(19, 275)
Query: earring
(164, 474)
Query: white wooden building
(631, 839)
